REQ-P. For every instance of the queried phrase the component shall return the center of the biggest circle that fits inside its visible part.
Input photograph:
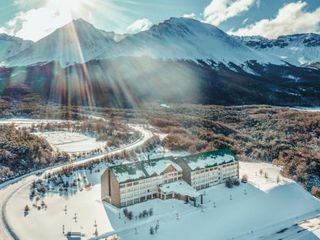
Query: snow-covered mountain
(10, 46)
(185, 38)
(297, 49)
(179, 60)
(76, 42)
(176, 38)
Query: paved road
(9, 188)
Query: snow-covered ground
(8, 190)
(307, 109)
(71, 142)
(27, 122)
(48, 224)
(257, 209)
(164, 105)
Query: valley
(79, 208)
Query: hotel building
(208, 169)
(166, 178)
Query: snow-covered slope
(298, 49)
(185, 38)
(10, 46)
(76, 42)
(176, 38)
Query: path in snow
(9, 189)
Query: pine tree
(26, 209)
(151, 230)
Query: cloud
(40, 21)
(139, 25)
(189, 15)
(36, 23)
(219, 11)
(290, 19)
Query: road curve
(8, 189)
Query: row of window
(231, 172)
(199, 175)
(125, 202)
(205, 175)
(205, 178)
(126, 197)
(151, 179)
(230, 165)
(146, 188)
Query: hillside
(297, 49)
(176, 38)
(129, 82)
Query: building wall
(186, 172)
(230, 171)
(128, 193)
(207, 177)
(105, 189)
(110, 190)
(143, 189)
(114, 190)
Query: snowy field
(71, 142)
(62, 208)
(27, 122)
(258, 209)
(307, 109)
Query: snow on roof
(180, 187)
(127, 172)
(209, 159)
(159, 166)
(143, 169)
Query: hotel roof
(144, 169)
(180, 187)
(156, 167)
(209, 159)
(126, 172)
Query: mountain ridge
(75, 42)
(175, 38)
(298, 49)
(185, 38)
(10, 45)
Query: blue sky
(33, 19)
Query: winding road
(8, 189)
